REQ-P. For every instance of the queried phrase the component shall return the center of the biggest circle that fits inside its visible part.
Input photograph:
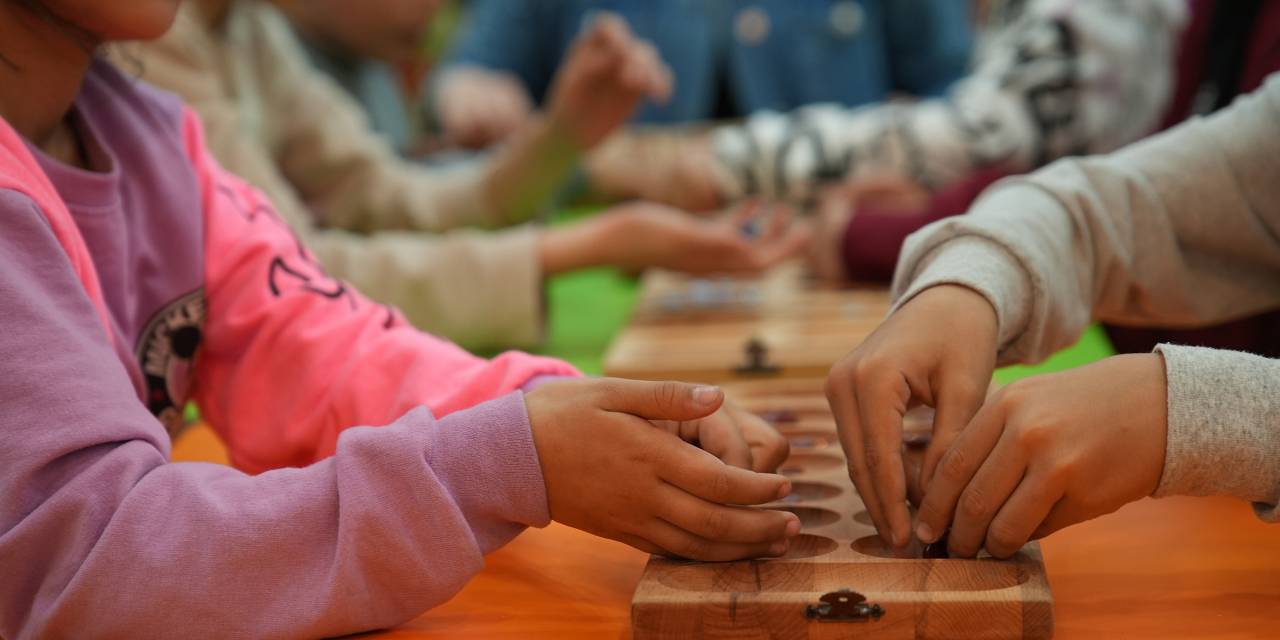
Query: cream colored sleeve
(345, 172)
(480, 290)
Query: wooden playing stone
(838, 580)
(781, 324)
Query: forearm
(395, 523)
(522, 177)
(1178, 230)
(579, 246)
(1223, 426)
(481, 290)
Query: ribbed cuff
(1224, 426)
(981, 265)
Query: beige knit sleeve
(483, 291)
(344, 171)
(1180, 230)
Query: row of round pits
(803, 462)
(807, 440)
(802, 491)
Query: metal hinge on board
(844, 605)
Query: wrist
(578, 246)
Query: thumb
(660, 400)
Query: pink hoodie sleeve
(291, 356)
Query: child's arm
(291, 356)
(1181, 229)
(444, 283)
(1066, 78)
(103, 537)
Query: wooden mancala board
(713, 330)
(838, 580)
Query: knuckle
(665, 394)
(973, 504)
(694, 548)
(965, 388)
(720, 488)
(836, 381)
(871, 458)
(1016, 396)
(1032, 436)
(954, 466)
(715, 525)
(1003, 539)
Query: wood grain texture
(837, 549)
(697, 330)
(1156, 569)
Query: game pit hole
(806, 461)
(864, 517)
(810, 517)
(808, 545)
(809, 440)
(802, 491)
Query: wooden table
(801, 327)
(1177, 567)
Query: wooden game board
(837, 549)
(699, 329)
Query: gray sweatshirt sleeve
(1181, 230)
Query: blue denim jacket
(778, 54)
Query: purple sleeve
(100, 535)
(874, 236)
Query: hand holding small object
(610, 470)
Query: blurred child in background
(137, 275)
(293, 133)
(1050, 78)
(729, 59)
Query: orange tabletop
(1177, 567)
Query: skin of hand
(609, 470)
(1050, 451)
(674, 166)
(605, 76)
(939, 350)
(838, 203)
(641, 235)
(479, 107)
(607, 73)
(735, 436)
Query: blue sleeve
(930, 44)
(517, 36)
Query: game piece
(838, 579)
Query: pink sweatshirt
(162, 278)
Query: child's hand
(938, 349)
(1050, 451)
(675, 167)
(479, 107)
(603, 79)
(641, 235)
(610, 471)
(837, 204)
(735, 436)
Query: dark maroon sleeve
(875, 234)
